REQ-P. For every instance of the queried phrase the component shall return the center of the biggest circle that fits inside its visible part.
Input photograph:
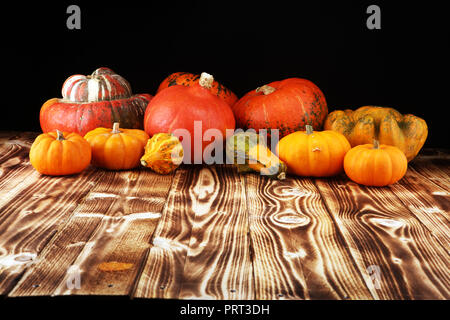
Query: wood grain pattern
(277, 265)
(16, 173)
(383, 235)
(218, 264)
(162, 273)
(208, 232)
(113, 223)
(435, 168)
(29, 214)
(294, 238)
(429, 203)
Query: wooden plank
(329, 268)
(277, 266)
(436, 170)
(429, 203)
(218, 264)
(297, 251)
(16, 173)
(162, 273)
(32, 214)
(114, 223)
(393, 250)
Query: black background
(244, 44)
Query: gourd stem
(144, 163)
(376, 144)
(265, 89)
(59, 135)
(206, 80)
(309, 129)
(281, 176)
(115, 128)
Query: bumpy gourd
(163, 153)
(387, 125)
(249, 153)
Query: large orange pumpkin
(58, 153)
(287, 105)
(375, 165)
(116, 148)
(387, 125)
(94, 101)
(313, 154)
(189, 79)
(194, 110)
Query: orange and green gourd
(387, 125)
(163, 153)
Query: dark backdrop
(243, 44)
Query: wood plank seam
(432, 233)
(147, 252)
(54, 236)
(342, 238)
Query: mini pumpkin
(116, 148)
(163, 153)
(57, 153)
(387, 125)
(313, 154)
(375, 164)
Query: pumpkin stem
(144, 163)
(59, 135)
(115, 128)
(206, 80)
(376, 144)
(265, 89)
(309, 129)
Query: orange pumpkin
(116, 148)
(313, 154)
(58, 153)
(375, 165)
(189, 79)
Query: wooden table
(208, 232)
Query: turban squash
(94, 101)
(387, 125)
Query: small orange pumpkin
(116, 148)
(313, 154)
(58, 153)
(375, 164)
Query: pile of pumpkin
(100, 121)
